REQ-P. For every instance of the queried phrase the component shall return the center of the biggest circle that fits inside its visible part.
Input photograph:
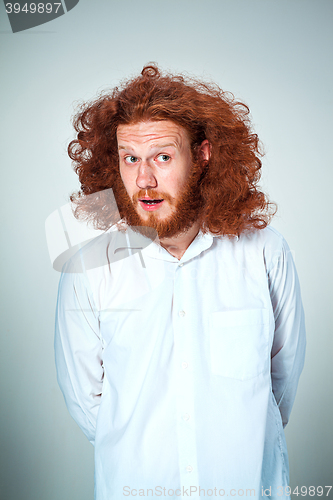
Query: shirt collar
(128, 239)
(200, 243)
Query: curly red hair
(231, 200)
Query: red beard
(187, 207)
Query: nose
(146, 178)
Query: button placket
(184, 382)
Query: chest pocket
(239, 343)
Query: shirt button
(181, 314)
(189, 468)
(185, 365)
(180, 265)
(186, 417)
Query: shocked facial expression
(156, 167)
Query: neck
(177, 245)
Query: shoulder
(85, 268)
(92, 254)
(268, 242)
(268, 237)
(94, 260)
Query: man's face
(157, 172)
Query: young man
(179, 362)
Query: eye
(163, 158)
(130, 160)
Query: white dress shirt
(183, 373)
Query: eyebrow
(173, 144)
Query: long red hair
(231, 200)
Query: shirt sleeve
(288, 350)
(78, 351)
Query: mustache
(152, 193)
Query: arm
(288, 350)
(78, 351)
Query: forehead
(151, 132)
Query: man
(180, 362)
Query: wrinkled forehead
(152, 132)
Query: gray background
(276, 55)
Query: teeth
(151, 202)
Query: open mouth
(149, 204)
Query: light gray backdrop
(276, 55)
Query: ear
(204, 151)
